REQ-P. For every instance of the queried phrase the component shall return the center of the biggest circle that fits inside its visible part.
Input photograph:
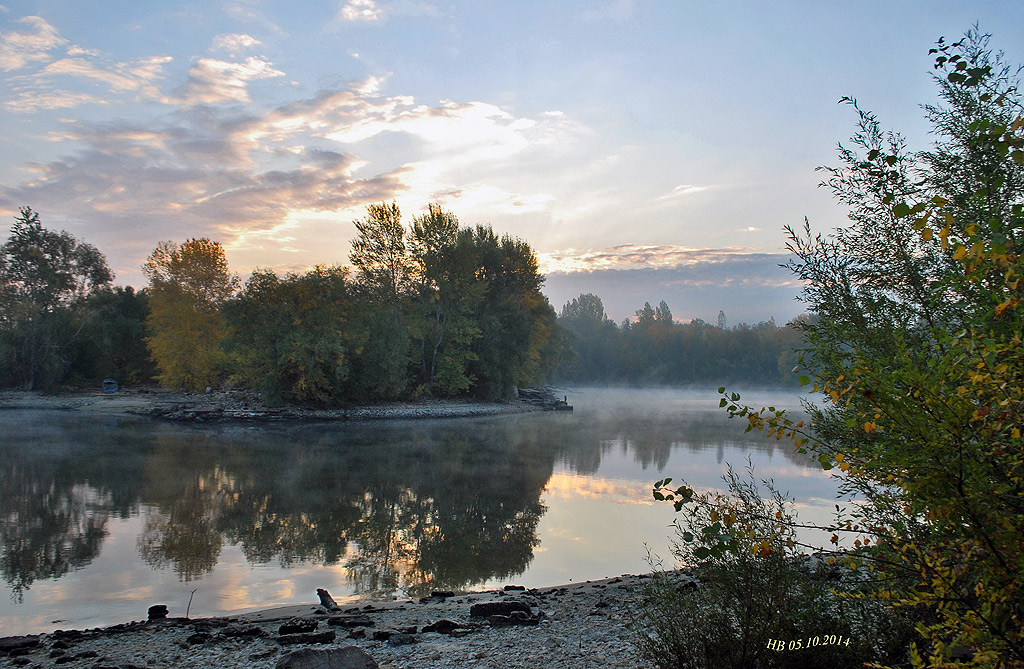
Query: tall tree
(918, 357)
(45, 277)
(188, 284)
(448, 294)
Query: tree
(448, 294)
(45, 277)
(918, 357)
(188, 285)
(291, 337)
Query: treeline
(435, 309)
(654, 348)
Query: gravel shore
(572, 626)
(241, 406)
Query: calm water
(102, 518)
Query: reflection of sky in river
(259, 517)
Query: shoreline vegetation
(573, 625)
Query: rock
(485, 609)
(297, 625)
(326, 600)
(443, 626)
(345, 657)
(513, 618)
(158, 612)
(442, 593)
(350, 621)
(18, 643)
(236, 631)
(402, 639)
(197, 638)
(510, 588)
(315, 637)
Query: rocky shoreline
(242, 406)
(571, 626)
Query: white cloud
(212, 81)
(635, 256)
(684, 189)
(19, 48)
(234, 44)
(360, 10)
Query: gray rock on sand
(346, 657)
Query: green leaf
(804, 380)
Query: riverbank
(242, 406)
(571, 626)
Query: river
(101, 518)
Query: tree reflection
(402, 506)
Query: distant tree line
(654, 348)
(432, 310)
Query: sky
(647, 151)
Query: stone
(513, 618)
(297, 625)
(197, 638)
(18, 643)
(402, 639)
(350, 621)
(442, 593)
(443, 626)
(503, 608)
(344, 657)
(510, 588)
(158, 612)
(236, 631)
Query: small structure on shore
(544, 398)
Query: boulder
(345, 657)
(498, 608)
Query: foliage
(112, 342)
(188, 284)
(919, 361)
(45, 277)
(748, 589)
(287, 336)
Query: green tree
(917, 354)
(290, 336)
(188, 284)
(45, 277)
(448, 294)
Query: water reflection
(405, 507)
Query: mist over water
(101, 518)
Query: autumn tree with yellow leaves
(188, 285)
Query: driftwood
(326, 600)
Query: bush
(747, 593)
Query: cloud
(212, 81)
(234, 44)
(360, 10)
(19, 48)
(634, 256)
(65, 82)
(684, 189)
